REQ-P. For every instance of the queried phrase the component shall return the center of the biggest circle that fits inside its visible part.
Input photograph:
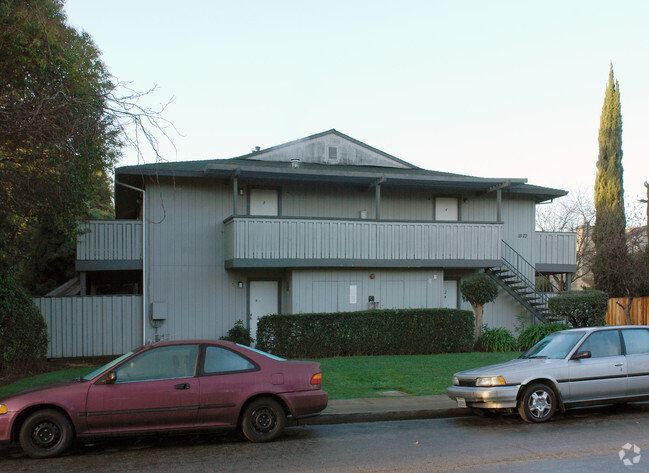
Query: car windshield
(106, 367)
(556, 345)
(276, 358)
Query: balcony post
(235, 191)
(378, 201)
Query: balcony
(556, 252)
(256, 242)
(109, 244)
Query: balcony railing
(110, 240)
(275, 241)
(556, 251)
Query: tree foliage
(478, 291)
(57, 143)
(609, 237)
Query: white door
(264, 202)
(449, 298)
(446, 208)
(264, 300)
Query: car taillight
(316, 378)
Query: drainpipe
(144, 261)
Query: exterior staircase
(518, 278)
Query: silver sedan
(595, 365)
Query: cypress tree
(609, 236)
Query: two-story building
(321, 224)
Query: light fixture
(240, 284)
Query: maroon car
(167, 386)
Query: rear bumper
(497, 397)
(305, 403)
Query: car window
(175, 361)
(600, 344)
(222, 360)
(556, 345)
(636, 341)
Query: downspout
(144, 280)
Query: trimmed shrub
(532, 335)
(239, 334)
(478, 291)
(497, 340)
(23, 332)
(581, 308)
(371, 332)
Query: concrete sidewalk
(374, 409)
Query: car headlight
(490, 381)
(3, 409)
(456, 381)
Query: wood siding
(92, 325)
(289, 239)
(109, 240)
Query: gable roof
(362, 165)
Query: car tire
(46, 433)
(537, 404)
(263, 420)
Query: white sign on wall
(352, 294)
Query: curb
(348, 418)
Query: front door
(264, 300)
(264, 202)
(449, 298)
(604, 374)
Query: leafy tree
(478, 291)
(56, 141)
(610, 244)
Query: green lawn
(351, 377)
(418, 375)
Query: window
(636, 341)
(332, 154)
(175, 361)
(222, 360)
(605, 343)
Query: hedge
(371, 332)
(23, 332)
(581, 308)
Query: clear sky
(486, 88)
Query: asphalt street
(582, 440)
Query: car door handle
(619, 364)
(182, 386)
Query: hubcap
(540, 404)
(46, 434)
(263, 419)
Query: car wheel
(45, 434)
(538, 403)
(263, 420)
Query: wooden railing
(110, 240)
(275, 238)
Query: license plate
(461, 402)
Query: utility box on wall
(158, 311)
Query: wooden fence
(91, 325)
(639, 311)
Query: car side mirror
(110, 378)
(581, 354)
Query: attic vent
(333, 154)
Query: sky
(510, 89)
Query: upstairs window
(332, 155)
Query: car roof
(607, 327)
